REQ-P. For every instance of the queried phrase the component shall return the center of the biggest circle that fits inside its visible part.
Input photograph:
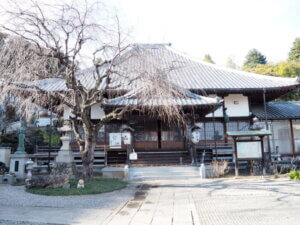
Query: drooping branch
(46, 49)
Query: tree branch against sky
(49, 42)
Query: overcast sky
(221, 28)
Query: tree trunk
(88, 157)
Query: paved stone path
(214, 202)
(174, 202)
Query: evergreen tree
(253, 58)
(294, 54)
(207, 58)
(281, 69)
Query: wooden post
(214, 129)
(267, 125)
(236, 163)
(293, 138)
(224, 123)
(262, 155)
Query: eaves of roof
(277, 110)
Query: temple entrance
(157, 135)
(158, 143)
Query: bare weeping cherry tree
(49, 44)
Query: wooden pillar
(292, 138)
(236, 163)
(262, 155)
(267, 125)
(159, 131)
(224, 123)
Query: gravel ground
(9, 222)
(16, 196)
(19, 207)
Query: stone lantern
(64, 162)
(65, 154)
(29, 167)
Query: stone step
(163, 172)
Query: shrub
(220, 167)
(294, 174)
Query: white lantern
(196, 136)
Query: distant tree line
(256, 62)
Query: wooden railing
(44, 155)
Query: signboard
(249, 150)
(126, 138)
(133, 156)
(115, 140)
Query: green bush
(294, 174)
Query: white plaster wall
(97, 112)
(237, 105)
(5, 155)
(218, 112)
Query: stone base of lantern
(64, 156)
(64, 163)
(63, 169)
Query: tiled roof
(190, 99)
(179, 70)
(197, 75)
(278, 110)
(183, 71)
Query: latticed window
(281, 137)
(296, 129)
(173, 133)
(214, 133)
(237, 125)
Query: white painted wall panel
(237, 105)
(97, 112)
(218, 112)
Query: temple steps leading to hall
(151, 157)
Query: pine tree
(294, 54)
(253, 58)
(207, 58)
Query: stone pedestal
(18, 163)
(7, 179)
(115, 172)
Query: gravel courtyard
(163, 202)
